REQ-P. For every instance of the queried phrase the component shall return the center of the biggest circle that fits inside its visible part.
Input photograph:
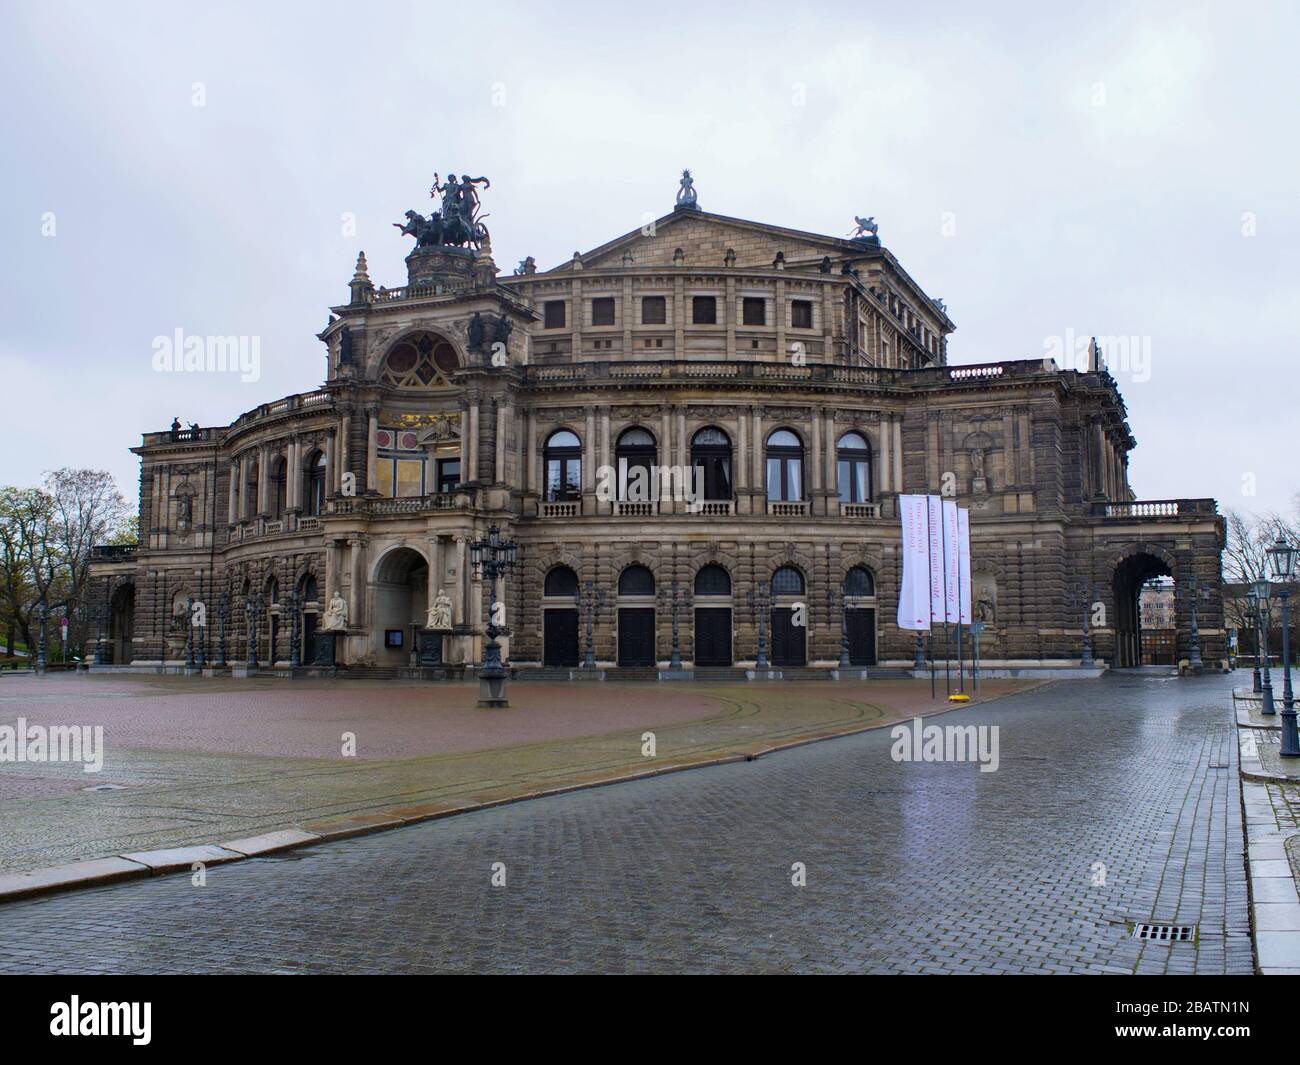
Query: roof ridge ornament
(866, 231)
(686, 196)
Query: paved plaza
(1116, 801)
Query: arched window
(561, 581)
(250, 490)
(313, 497)
(563, 454)
(308, 589)
(858, 581)
(421, 361)
(272, 590)
(784, 467)
(711, 452)
(636, 580)
(637, 455)
(787, 581)
(713, 580)
(853, 470)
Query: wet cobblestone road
(910, 867)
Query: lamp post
(98, 659)
(673, 601)
(42, 615)
(189, 633)
(1194, 652)
(1086, 661)
(1282, 556)
(844, 622)
(492, 557)
(759, 602)
(1263, 591)
(223, 605)
(250, 610)
(591, 601)
(295, 629)
(1252, 616)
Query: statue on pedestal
(336, 614)
(440, 613)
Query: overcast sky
(1088, 171)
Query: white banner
(963, 546)
(914, 592)
(934, 516)
(951, 563)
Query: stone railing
(859, 510)
(1156, 508)
(113, 552)
(716, 508)
(569, 509)
(634, 510)
(966, 373)
(787, 510)
(372, 506)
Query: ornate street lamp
(250, 610)
(1282, 557)
(223, 606)
(491, 558)
(844, 622)
(760, 602)
(189, 633)
(591, 600)
(1194, 652)
(673, 602)
(295, 656)
(42, 615)
(1252, 616)
(1263, 591)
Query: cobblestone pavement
(910, 867)
(196, 760)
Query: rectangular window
(754, 311)
(554, 312)
(410, 478)
(602, 310)
(801, 314)
(448, 474)
(654, 310)
(704, 310)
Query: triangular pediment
(706, 238)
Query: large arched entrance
(1131, 574)
(401, 602)
(560, 618)
(121, 625)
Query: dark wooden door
(862, 637)
(713, 636)
(636, 636)
(560, 639)
(789, 641)
(308, 649)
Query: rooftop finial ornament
(686, 193)
(457, 223)
(866, 230)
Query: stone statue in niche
(336, 614)
(986, 598)
(440, 613)
(184, 508)
(978, 481)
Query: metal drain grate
(1165, 933)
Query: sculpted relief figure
(336, 614)
(440, 612)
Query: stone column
(589, 454)
(372, 452)
(530, 456)
(473, 439)
(435, 573)
(740, 464)
(816, 434)
(340, 467)
(263, 479)
(332, 575)
(832, 470)
(898, 453)
(882, 472)
(244, 501)
(502, 419)
(293, 476)
(458, 600)
(232, 504)
(759, 483)
(357, 602)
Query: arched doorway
(636, 617)
(401, 605)
(560, 618)
(121, 625)
(1131, 574)
(789, 624)
(713, 616)
(309, 604)
(860, 615)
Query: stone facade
(438, 419)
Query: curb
(1274, 901)
(136, 865)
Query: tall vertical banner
(963, 548)
(934, 516)
(951, 612)
(914, 593)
